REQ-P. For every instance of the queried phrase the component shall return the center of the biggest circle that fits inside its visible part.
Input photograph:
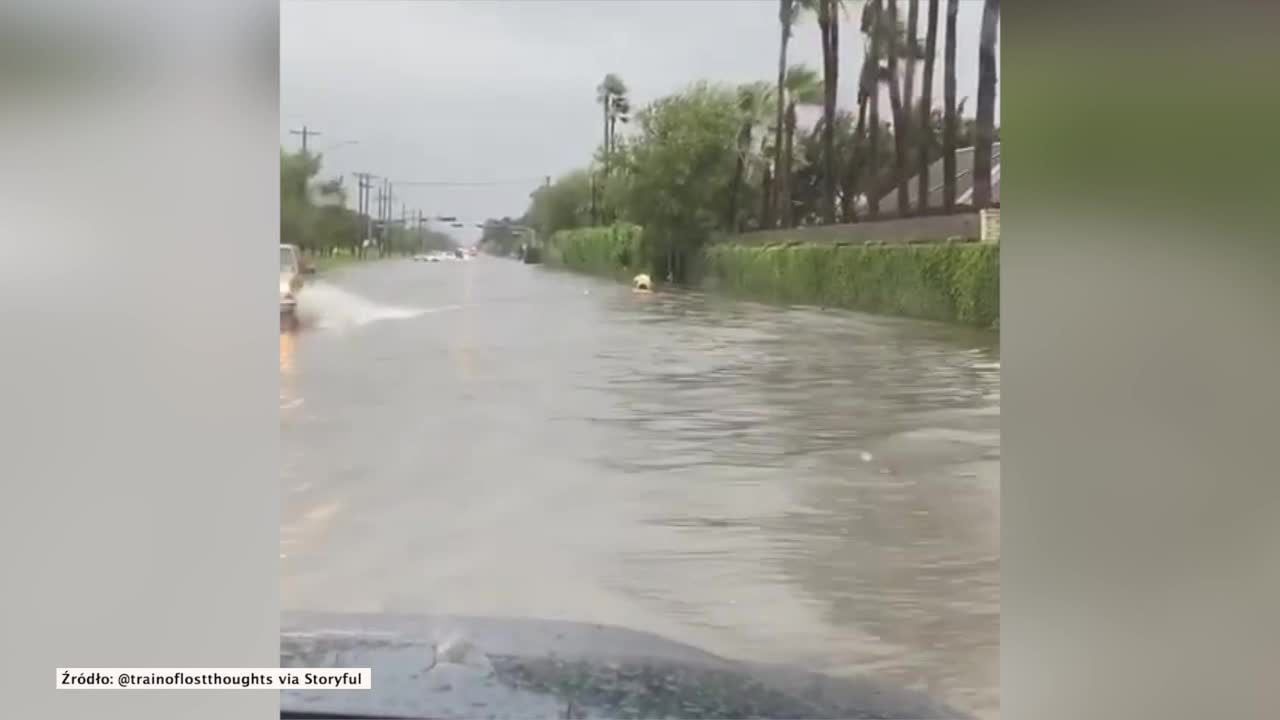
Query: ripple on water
(683, 465)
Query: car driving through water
(291, 282)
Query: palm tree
(949, 109)
(911, 51)
(611, 93)
(895, 103)
(829, 25)
(803, 88)
(753, 101)
(867, 85)
(620, 109)
(926, 105)
(847, 140)
(768, 196)
(787, 12)
(986, 105)
(871, 24)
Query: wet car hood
(445, 667)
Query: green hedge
(958, 283)
(955, 283)
(611, 250)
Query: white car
(291, 272)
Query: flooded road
(785, 485)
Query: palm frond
(803, 85)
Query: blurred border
(139, 147)
(140, 150)
(1140, 289)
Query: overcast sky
(481, 90)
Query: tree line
(314, 215)
(720, 158)
(861, 170)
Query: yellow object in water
(641, 282)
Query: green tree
(768, 196)
(680, 166)
(753, 103)
(313, 213)
(564, 204)
(802, 87)
(808, 185)
(498, 237)
(986, 104)
(296, 172)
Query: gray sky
(505, 90)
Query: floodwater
(787, 485)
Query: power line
(468, 183)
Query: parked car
(291, 282)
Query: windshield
(288, 260)
(718, 370)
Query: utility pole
(359, 207)
(382, 214)
(386, 216)
(304, 132)
(404, 220)
(364, 206)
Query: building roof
(964, 182)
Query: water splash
(329, 307)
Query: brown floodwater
(789, 485)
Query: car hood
(448, 666)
